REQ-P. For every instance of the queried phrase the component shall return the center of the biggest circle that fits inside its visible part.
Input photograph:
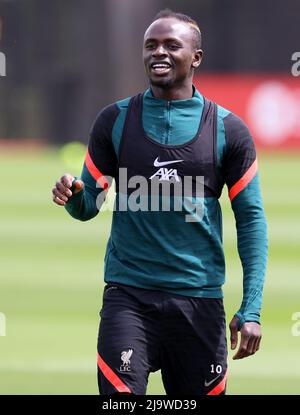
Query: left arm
(241, 176)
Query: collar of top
(196, 100)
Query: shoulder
(235, 129)
(123, 104)
(232, 123)
(107, 116)
(111, 111)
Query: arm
(97, 173)
(241, 176)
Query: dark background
(66, 59)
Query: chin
(162, 83)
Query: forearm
(252, 247)
(82, 205)
(86, 204)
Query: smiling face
(170, 54)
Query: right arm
(100, 164)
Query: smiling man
(163, 302)
(172, 51)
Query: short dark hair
(183, 18)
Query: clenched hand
(62, 189)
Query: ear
(197, 58)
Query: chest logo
(164, 173)
(165, 163)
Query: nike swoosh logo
(165, 163)
(210, 382)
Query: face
(169, 53)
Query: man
(162, 305)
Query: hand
(61, 191)
(250, 338)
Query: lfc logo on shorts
(125, 357)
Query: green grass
(52, 279)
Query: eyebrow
(170, 39)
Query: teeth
(160, 65)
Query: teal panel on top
(221, 142)
(167, 122)
(163, 251)
(172, 122)
(119, 124)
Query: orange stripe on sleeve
(112, 377)
(217, 390)
(97, 175)
(244, 180)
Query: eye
(174, 46)
(149, 46)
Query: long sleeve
(99, 167)
(241, 176)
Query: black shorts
(142, 331)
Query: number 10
(216, 369)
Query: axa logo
(125, 357)
(165, 173)
(2, 64)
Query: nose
(159, 51)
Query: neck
(170, 94)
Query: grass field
(51, 284)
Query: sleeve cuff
(244, 318)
